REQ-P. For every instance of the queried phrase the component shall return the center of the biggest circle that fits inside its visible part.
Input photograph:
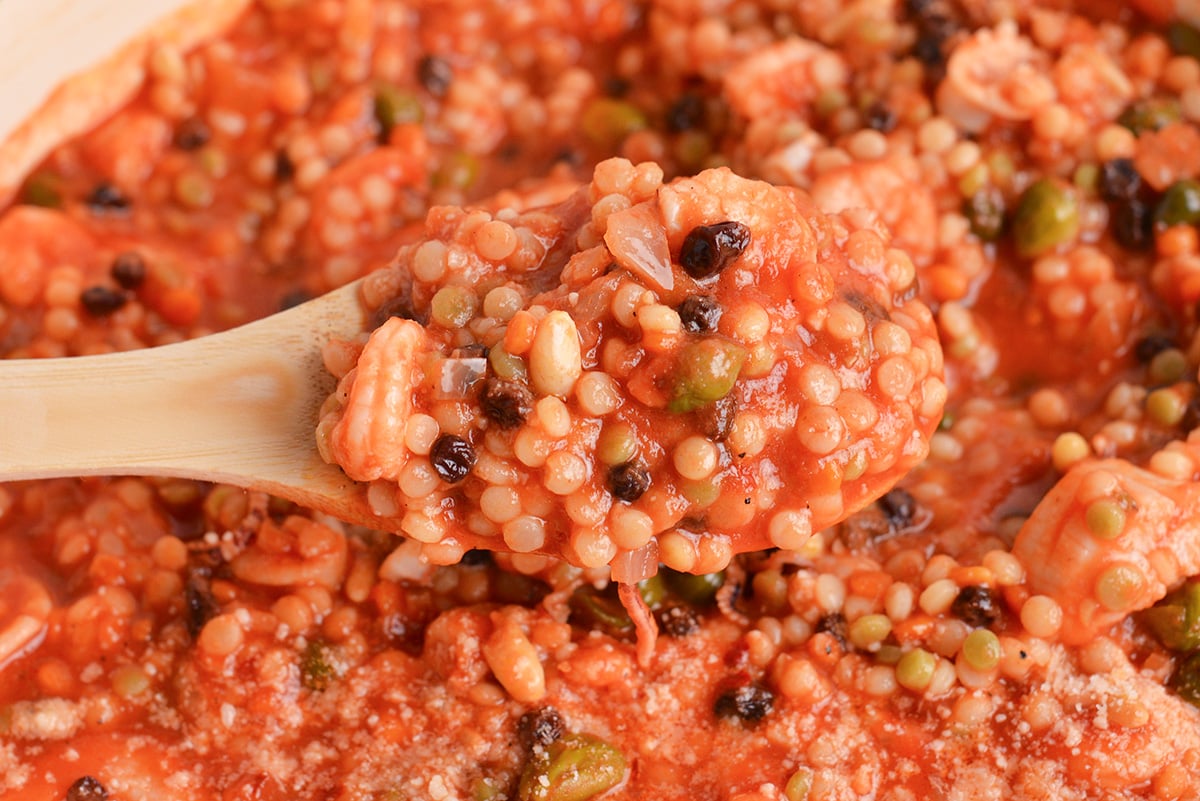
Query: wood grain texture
(238, 407)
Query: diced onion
(630, 567)
(455, 377)
(638, 242)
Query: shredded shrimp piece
(995, 74)
(644, 623)
(1111, 538)
(29, 608)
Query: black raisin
(192, 134)
(700, 313)
(435, 74)
(87, 788)
(293, 298)
(101, 301)
(506, 403)
(716, 419)
(928, 49)
(976, 606)
(285, 168)
(452, 458)
(880, 117)
(749, 702)
(617, 86)
(200, 605)
(540, 727)
(128, 269)
(106, 197)
(900, 507)
(1119, 180)
(686, 113)
(1191, 415)
(628, 481)
(679, 621)
(1150, 346)
(399, 306)
(709, 249)
(1133, 224)
(476, 557)
(834, 624)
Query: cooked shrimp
(1167, 10)
(890, 187)
(1111, 538)
(995, 74)
(786, 77)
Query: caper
(984, 211)
(798, 785)
(1047, 215)
(395, 106)
(596, 609)
(617, 443)
(317, 668)
(1186, 679)
(706, 372)
(574, 768)
(1184, 39)
(458, 171)
(42, 189)
(1150, 114)
(698, 590)
(606, 122)
(506, 365)
(1180, 204)
(1175, 620)
(868, 631)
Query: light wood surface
(239, 407)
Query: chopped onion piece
(630, 567)
(455, 376)
(638, 242)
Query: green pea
(1175, 620)
(617, 443)
(507, 366)
(798, 785)
(692, 148)
(1168, 366)
(1180, 204)
(42, 189)
(653, 591)
(1086, 176)
(606, 122)
(458, 171)
(1047, 215)
(1165, 406)
(868, 631)
(915, 670)
(982, 649)
(698, 590)
(596, 609)
(194, 189)
(395, 106)
(1105, 518)
(984, 211)
(487, 790)
(1186, 679)
(1150, 114)
(317, 667)
(575, 767)
(706, 372)
(1184, 39)
(453, 306)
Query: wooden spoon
(239, 407)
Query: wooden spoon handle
(238, 407)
